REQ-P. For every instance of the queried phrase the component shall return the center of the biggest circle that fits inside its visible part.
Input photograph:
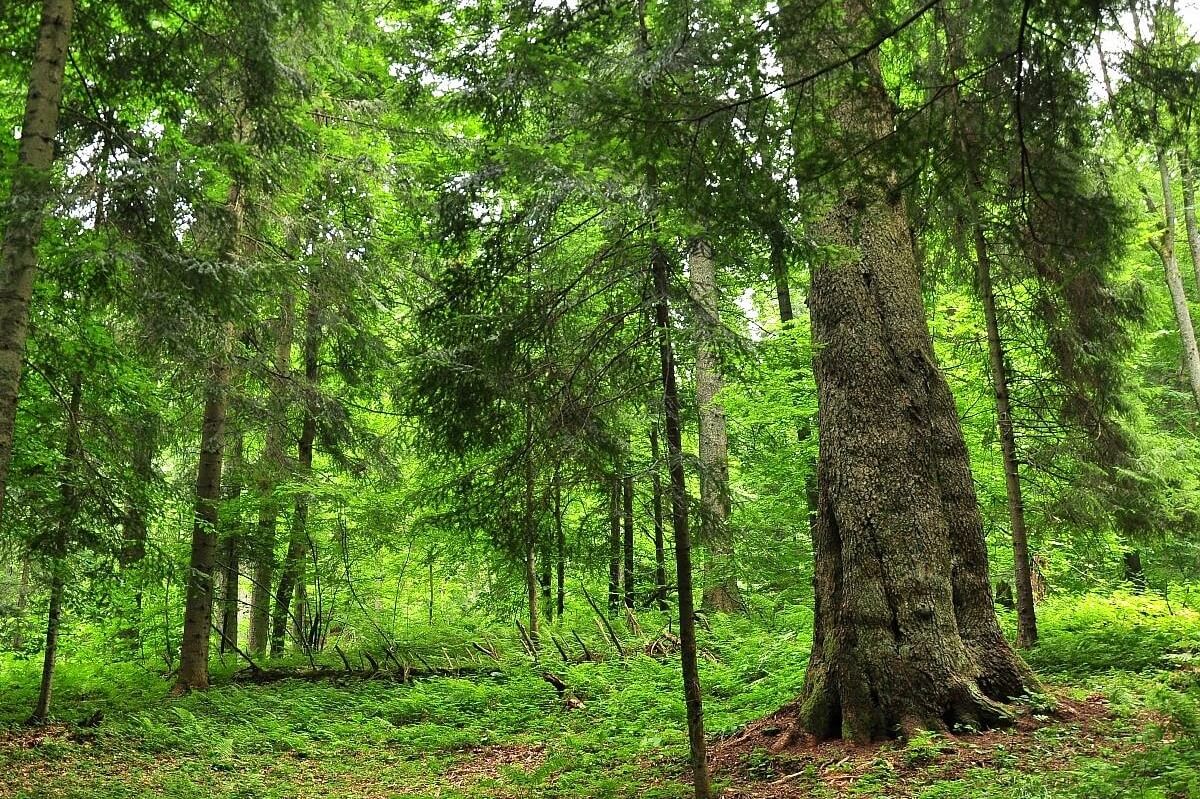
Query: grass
(506, 733)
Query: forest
(486, 399)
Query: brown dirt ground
(761, 763)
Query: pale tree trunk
(68, 494)
(720, 585)
(198, 606)
(975, 193)
(905, 635)
(1165, 248)
(297, 551)
(1189, 210)
(29, 196)
(270, 471)
(231, 551)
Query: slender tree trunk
(231, 552)
(271, 470)
(786, 318)
(68, 496)
(41, 710)
(297, 551)
(18, 638)
(546, 578)
(656, 502)
(1166, 252)
(627, 515)
(968, 142)
(614, 543)
(1027, 634)
(29, 196)
(779, 270)
(133, 527)
(300, 619)
(720, 585)
(905, 634)
(559, 544)
(532, 587)
(1189, 210)
(198, 607)
(289, 575)
(693, 695)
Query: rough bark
(905, 633)
(656, 502)
(720, 583)
(29, 198)
(974, 193)
(198, 606)
(67, 512)
(270, 472)
(693, 695)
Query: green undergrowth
(503, 731)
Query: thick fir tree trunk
(905, 633)
(68, 495)
(720, 584)
(627, 543)
(656, 506)
(297, 551)
(270, 472)
(974, 190)
(693, 695)
(230, 560)
(198, 607)
(29, 196)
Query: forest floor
(1124, 721)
